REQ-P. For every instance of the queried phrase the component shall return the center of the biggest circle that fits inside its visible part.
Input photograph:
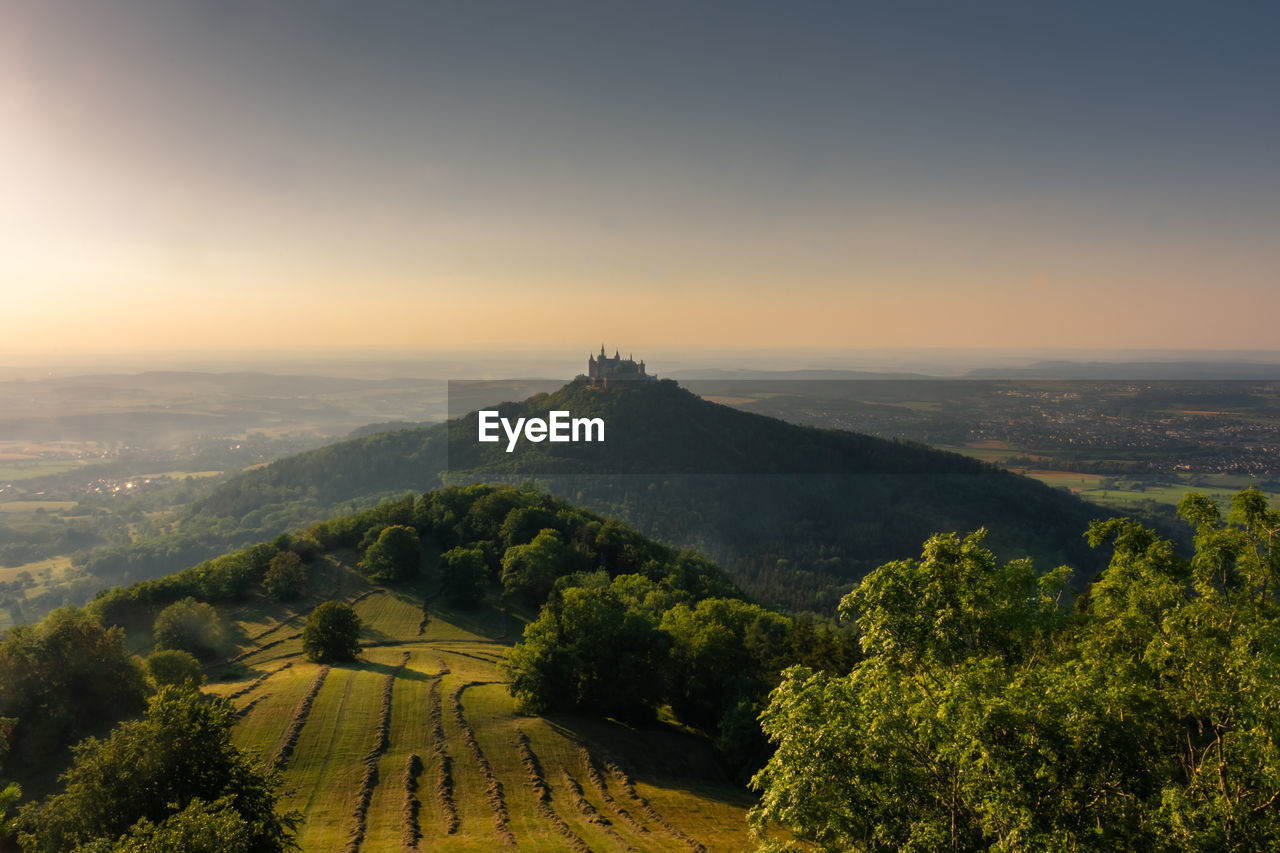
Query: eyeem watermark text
(558, 426)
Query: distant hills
(1137, 370)
(795, 514)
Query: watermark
(559, 427)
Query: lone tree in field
(395, 555)
(332, 633)
(174, 668)
(190, 625)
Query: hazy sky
(370, 173)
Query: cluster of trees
(628, 645)
(172, 780)
(63, 678)
(989, 712)
(45, 535)
(278, 567)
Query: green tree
(984, 715)
(463, 576)
(62, 678)
(201, 827)
(10, 793)
(395, 555)
(285, 577)
(529, 571)
(723, 651)
(895, 754)
(164, 778)
(588, 651)
(174, 668)
(522, 524)
(190, 625)
(332, 633)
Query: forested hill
(793, 513)
(661, 428)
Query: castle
(604, 370)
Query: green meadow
(485, 777)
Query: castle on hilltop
(604, 369)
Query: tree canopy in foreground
(989, 713)
(170, 781)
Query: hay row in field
(264, 647)
(494, 659)
(257, 681)
(276, 627)
(493, 787)
(647, 809)
(381, 740)
(362, 596)
(542, 793)
(590, 812)
(244, 712)
(412, 832)
(596, 778)
(426, 616)
(444, 771)
(299, 719)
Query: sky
(250, 175)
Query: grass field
(58, 565)
(1169, 494)
(459, 769)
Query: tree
(905, 751)
(285, 577)
(12, 792)
(394, 555)
(174, 668)
(201, 827)
(332, 633)
(522, 524)
(529, 571)
(985, 715)
(723, 651)
(64, 677)
(190, 625)
(166, 778)
(587, 651)
(463, 576)
(9, 796)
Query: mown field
(418, 746)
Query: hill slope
(793, 513)
(429, 678)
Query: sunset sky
(467, 174)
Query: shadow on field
(388, 669)
(656, 755)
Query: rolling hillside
(457, 769)
(793, 513)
